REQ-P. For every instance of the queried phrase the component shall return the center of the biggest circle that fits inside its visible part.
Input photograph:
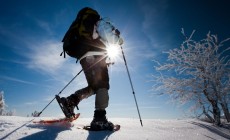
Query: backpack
(79, 31)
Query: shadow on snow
(16, 129)
(48, 132)
(214, 129)
(99, 135)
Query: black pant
(96, 72)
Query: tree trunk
(214, 103)
(216, 112)
(207, 115)
(226, 111)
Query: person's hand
(120, 41)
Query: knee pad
(102, 99)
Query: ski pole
(131, 85)
(60, 92)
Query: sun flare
(112, 51)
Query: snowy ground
(13, 128)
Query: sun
(113, 51)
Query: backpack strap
(63, 52)
(65, 55)
(92, 53)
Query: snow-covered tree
(3, 106)
(10, 113)
(201, 75)
(35, 114)
(2, 103)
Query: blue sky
(32, 71)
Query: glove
(120, 41)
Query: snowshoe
(58, 120)
(115, 127)
(100, 122)
(101, 125)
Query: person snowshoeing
(93, 62)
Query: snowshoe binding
(100, 122)
(101, 125)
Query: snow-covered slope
(14, 127)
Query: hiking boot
(79, 95)
(100, 121)
(68, 104)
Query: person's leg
(100, 82)
(101, 99)
(100, 121)
(73, 100)
(96, 72)
(98, 78)
(80, 95)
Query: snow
(23, 128)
